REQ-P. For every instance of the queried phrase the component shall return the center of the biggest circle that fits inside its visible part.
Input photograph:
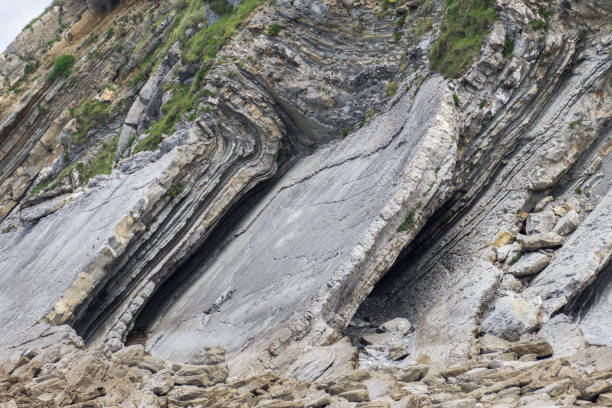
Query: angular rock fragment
(160, 383)
(599, 387)
(129, 356)
(510, 283)
(411, 373)
(460, 403)
(201, 375)
(512, 316)
(543, 203)
(557, 388)
(529, 264)
(540, 222)
(541, 348)
(397, 325)
(568, 223)
(493, 344)
(539, 241)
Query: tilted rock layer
(290, 184)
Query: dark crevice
(187, 273)
(580, 306)
(375, 307)
(93, 317)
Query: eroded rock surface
(298, 212)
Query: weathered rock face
(448, 281)
(306, 174)
(346, 201)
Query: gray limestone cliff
(294, 179)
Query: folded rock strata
(321, 172)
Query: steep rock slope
(245, 177)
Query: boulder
(599, 387)
(568, 223)
(543, 203)
(557, 388)
(529, 264)
(540, 222)
(411, 373)
(460, 403)
(129, 356)
(511, 317)
(539, 241)
(324, 361)
(160, 383)
(201, 375)
(539, 347)
(510, 283)
(397, 325)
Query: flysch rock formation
(315, 244)
(283, 204)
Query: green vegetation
(29, 69)
(402, 19)
(175, 190)
(62, 67)
(31, 23)
(392, 88)
(456, 99)
(408, 222)
(422, 26)
(575, 123)
(8, 229)
(274, 29)
(90, 40)
(397, 36)
(47, 46)
(109, 34)
(508, 47)
(201, 48)
(515, 258)
(102, 163)
(221, 7)
(482, 104)
(539, 24)
(578, 190)
(464, 25)
(345, 131)
(89, 115)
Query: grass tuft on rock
(201, 48)
(89, 115)
(102, 163)
(408, 222)
(463, 28)
(62, 66)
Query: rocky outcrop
(62, 373)
(293, 184)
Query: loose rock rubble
(501, 374)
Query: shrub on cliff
(464, 25)
(62, 66)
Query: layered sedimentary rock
(305, 183)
